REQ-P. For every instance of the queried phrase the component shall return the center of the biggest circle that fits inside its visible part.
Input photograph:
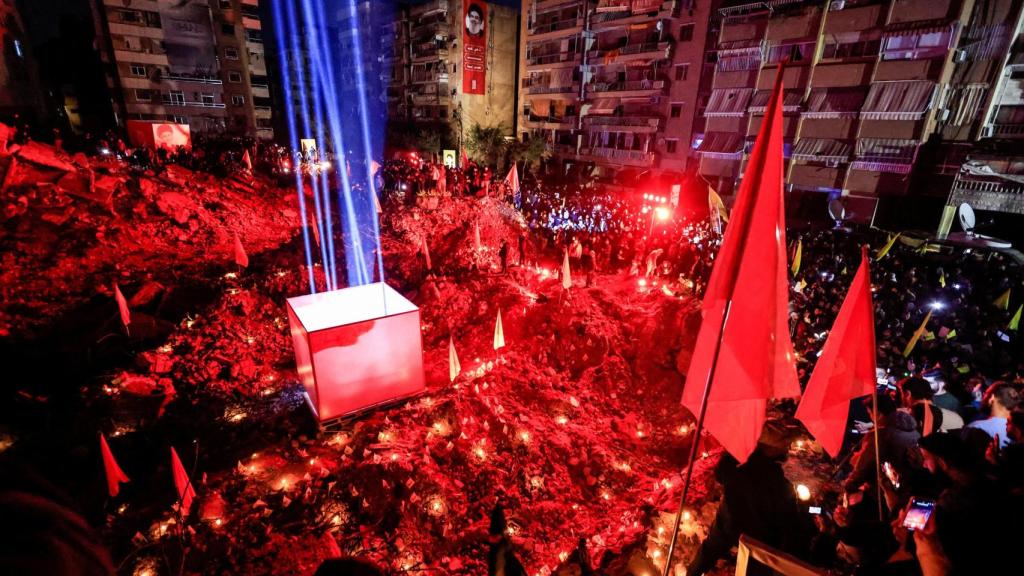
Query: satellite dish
(837, 211)
(967, 219)
(968, 238)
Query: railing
(602, 17)
(627, 86)
(965, 185)
(187, 78)
(264, 86)
(552, 119)
(556, 26)
(629, 49)
(649, 121)
(551, 89)
(169, 102)
(633, 156)
(1008, 129)
(432, 77)
(551, 58)
(564, 149)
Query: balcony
(1008, 130)
(191, 78)
(563, 149)
(428, 78)
(617, 18)
(631, 52)
(430, 98)
(167, 101)
(629, 87)
(639, 124)
(996, 194)
(426, 53)
(542, 89)
(552, 122)
(557, 28)
(558, 59)
(617, 156)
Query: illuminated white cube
(356, 348)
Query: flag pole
(695, 444)
(744, 235)
(878, 460)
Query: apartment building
(612, 86)
(198, 63)
(19, 80)
(868, 84)
(243, 67)
(458, 63)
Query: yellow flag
(917, 334)
(843, 273)
(801, 285)
(888, 246)
(499, 333)
(928, 336)
(454, 368)
(942, 279)
(1003, 301)
(1015, 321)
(951, 334)
(716, 201)
(795, 268)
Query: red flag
(122, 307)
(241, 258)
(755, 360)
(247, 160)
(512, 179)
(846, 367)
(463, 160)
(115, 476)
(185, 490)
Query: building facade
(871, 87)
(19, 77)
(198, 63)
(435, 67)
(613, 85)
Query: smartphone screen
(814, 509)
(918, 514)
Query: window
(234, 77)
(677, 109)
(176, 97)
(138, 70)
(128, 16)
(671, 145)
(206, 99)
(682, 71)
(228, 29)
(131, 43)
(225, 4)
(686, 32)
(179, 119)
(570, 110)
(442, 112)
(231, 54)
(143, 95)
(236, 99)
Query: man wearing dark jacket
(758, 501)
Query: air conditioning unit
(942, 115)
(987, 131)
(837, 5)
(959, 55)
(832, 163)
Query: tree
(530, 152)
(487, 144)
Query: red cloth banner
(846, 367)
(474, 48)
(756, 359)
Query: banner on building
(187, 37)
(158, 134)
(449, 158)
(474, 48)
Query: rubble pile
(71, 225)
